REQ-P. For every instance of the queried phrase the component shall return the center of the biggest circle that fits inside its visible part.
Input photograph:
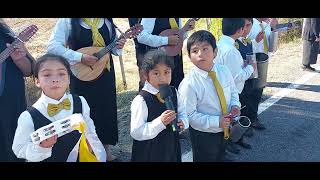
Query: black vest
(64, 144)
(165, 147)
(244, 49)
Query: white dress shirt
(60, 35)
(229, 56)
(256, 28)
(145, 37)
(24, 148)
(141, 129)
(201, 100)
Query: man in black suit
(311, 40)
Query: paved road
(293, 126)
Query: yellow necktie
(84, 153)
(97, 38)
(53, 109)
(265, 42)
(173, 23)
(159, 98)
(222, 99)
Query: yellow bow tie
(246, 40)
(53, 109)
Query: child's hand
(48, 143)
(173, 40)
(180, 124)
(120, 43)
(88, 60)
(167, 116)
(235, 111)
(19, 52)
(260, 36)
(224, 122)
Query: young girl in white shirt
(52, 75)
(151, 124)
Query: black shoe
(258, 126)
(243, 144)
(231, 147)
(308, 68)
(249, 132)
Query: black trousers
(207, 147)
(310, 52)
(250, 97)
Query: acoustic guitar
(23, 37)
(89, 73)
(173, 50)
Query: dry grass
(282, 69)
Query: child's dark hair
(231, 25)
(201, 36)
(50, 57)
(154, 57)
(249, 19)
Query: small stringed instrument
(23, 37)
(89, 73)
(173, 50)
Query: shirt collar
(149, 88)
(227, 39)
(204, 73)
(46, 100)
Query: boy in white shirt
(232, 29)
(209, 95)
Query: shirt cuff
(165, 41)
(158, 124)
(250, 68)
(185, 123)
(40, 149)
(77, 56)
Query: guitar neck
(6, 53)
(186, 27)
(106, 50)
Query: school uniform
(152, 140)
(256, 28)
(150, 39)
(250, 96)
(67, 146)
(100, 93)
(203, 108)
(231, 57)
